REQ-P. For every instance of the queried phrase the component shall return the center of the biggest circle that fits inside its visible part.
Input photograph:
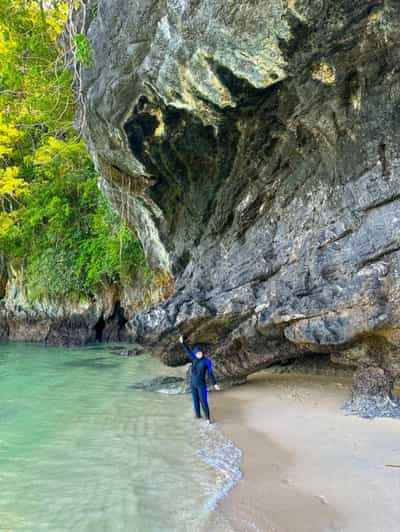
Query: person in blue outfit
(201, 365)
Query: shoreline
(306, 465)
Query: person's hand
(216, 386)
(181, 339)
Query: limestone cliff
(254, 145)
(68, 320)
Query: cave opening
(111, 328)
(139, 128)
(244, 93)
(99, 328)
(119, 318)
(313, 364)
(172, 116)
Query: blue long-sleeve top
(200, 366)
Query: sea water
(81, 449)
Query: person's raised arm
(187, 348)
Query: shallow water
(81, 450)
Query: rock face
(255, 148)
(60, 322)
(67, 321)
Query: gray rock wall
(255, 147)
(72, 321)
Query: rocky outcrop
(71, 321)
(255, 148)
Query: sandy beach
(306, 465)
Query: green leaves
(70, 241)
(83, 51)
(54, 223)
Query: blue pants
(199, 396)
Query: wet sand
(307, 467)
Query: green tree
(54, 223)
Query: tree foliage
(54, 223)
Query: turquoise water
(81, 450)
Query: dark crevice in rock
(182, 261)
(245, 95)
(383, 159)
(351, 90)
(311, 364)
(118, 315)
(173, 116)
(337, 238)
(113, 327)
(386, 201)
(138, 129)
(299, 35)
(99, 328)
(383, 254)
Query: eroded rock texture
(67, 320)
(255, 147)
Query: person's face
(199, 354)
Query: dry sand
(306, 465)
